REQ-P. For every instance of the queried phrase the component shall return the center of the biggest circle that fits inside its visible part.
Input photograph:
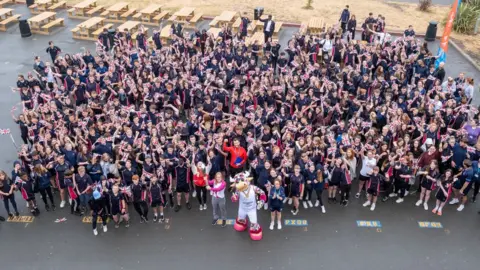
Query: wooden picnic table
(92, 23)
(83, 7)
(226, 18)
(184, 14)
(5, 13)
(129, 25)
(147, 14)
(116, 10)
(315, 25)
(214, 31)
(257, 36)
(41, 19)
(45, 4)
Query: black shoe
(384, 199)
(10, 215)
(154, 218)
(17, 214)
(171, 205)
(47, 207)
(189, 206)
(329, 200)
(474, 199)
(37, 210)
(53, 207)
(345, 203)
(334, 200)
(2, 218)
(214, 222)
(176, 208)
(162, 219)
(141, 219)
(77, 213)
(224, 223)
(34, 213)
(145, 219)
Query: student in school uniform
(156, 199)
(443, 192)
(276, 197)
(428, 183)
(139, 194)
(119, 207)
(97, 205)
(318, 186)
(373, 188)
(182, 176)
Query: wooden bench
(137, 16)
(100, 30)
(278, 26)
(51, 24)
(213, 23)
(165, 33)
(3, 24)
(95, 10)
(70, 12)
(160, 16)
(172, 18)
(34, 9)
(61, 4)
(105, 13)
(196, 18)
(129, 13)
(237, 23)
(6, 2)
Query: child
(182, 174)
(199, 172)
(443, 192)
(119, 207)
(156, 199)
(97, 205)
(217, 191)
(44, 185)
(310, 176)
(373, 188)
(6, 193)
(428, 184)
(70, 185)
(139, 194)
(276, 196)
(26, 187)
(296, 187)
(318, 186)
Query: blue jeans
(84, 198)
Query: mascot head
(241, 180)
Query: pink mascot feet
(240, 225)
(256, 232)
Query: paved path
(435, 2)
(330, 241)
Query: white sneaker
(392, 195)
(289, 201)
(425, 206)
(406, 192)
(28, 205)
(323, 209)
(62, 204)
(317, 203)
(205, 207)
(95, 232)
(305, 205)
(272, 225)
(194, 194)
(265, 206)
(279, 225)
(285, 200)
(310, 204)
(418, 203)
(201, 207)
(105, 228)
(399, 200)
(454, 201)
(460, 208)
(357, 195)
(372, 207)
(367, 203)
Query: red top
(236, 154)
(199, 179)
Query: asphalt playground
(188, 240)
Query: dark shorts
(427, 184)
(61, 184)
(156, 203)
(295, 191)
(333, 184)
(440, 196)
(363, 178)
(459, 184)
(276, 208)
(373, 191)
(30, 198)
(185, 188)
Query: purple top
(473, 133)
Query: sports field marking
(229, 221)
(89, 220)
(430, 225)
(369, 223)
(21, 219)
(295, 222)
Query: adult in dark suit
(268, 27)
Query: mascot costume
(247, 194)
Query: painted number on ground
(228, 221)
(296, 222)
(21, 219)
(427, 224)
(89, 220)
(369, 223)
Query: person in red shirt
(238, 156)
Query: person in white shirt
(327, 46)
(217, 191)
(368, 163)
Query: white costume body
(247, 204)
